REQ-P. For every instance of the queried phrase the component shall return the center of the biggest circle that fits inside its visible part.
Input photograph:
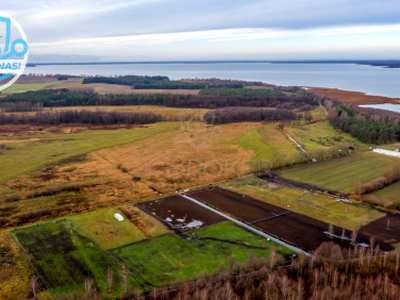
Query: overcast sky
(162, 30)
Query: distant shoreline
(375, 63)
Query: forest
(372, 126)
(65, 97)
(247, 114)
(158, 82)
(84, 117)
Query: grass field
(25, 87)
(169, 258)
(320, 135)
(268, 143)
(15, 270)
(46, 84)
(76, 84)
(115, 166)
(389, 193)
(316, 206)
(65, 257)
(121, 165)
(110, 233)
(341, 174)
(106, 230)
(51, 148)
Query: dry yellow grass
(104, 88)
(14, 270)
(191, 155)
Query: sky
(186, 30)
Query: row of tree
(389, 175)
(352, 274)
(239, 92)
(247, 114)
(283, 101)
(158, 82)
(20, 106)
(64, 97)
(85, 117)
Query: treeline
(247, 114)
(240, 92)
(290, 89)
(370, 126)
(158, 82)
(389, 175)
(20, 106)
(83, 117)
(332, 273)
(65, 97)
(302, 102)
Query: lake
(362, 78)
(384, 106)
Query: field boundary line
(141, 281)
(271, 217)
(248, 227)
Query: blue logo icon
(13, 51)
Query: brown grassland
(352, 97)
(49, 172)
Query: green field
(51, 148)
(341, 174)
(108, 231)
(64, 256)
(320, 135)
(315, 206)
(269, 145)
(25, 87)
(389, 194)
(168, 258)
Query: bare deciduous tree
(110, 278)
(88, 283)
(33, 282)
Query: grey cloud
(97, 18)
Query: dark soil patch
(240, 206)
(180, 214)
(301, 231)
(381, 231)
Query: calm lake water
(367, 79)
(385, 106)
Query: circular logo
(13, 50)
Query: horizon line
(356, 61)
